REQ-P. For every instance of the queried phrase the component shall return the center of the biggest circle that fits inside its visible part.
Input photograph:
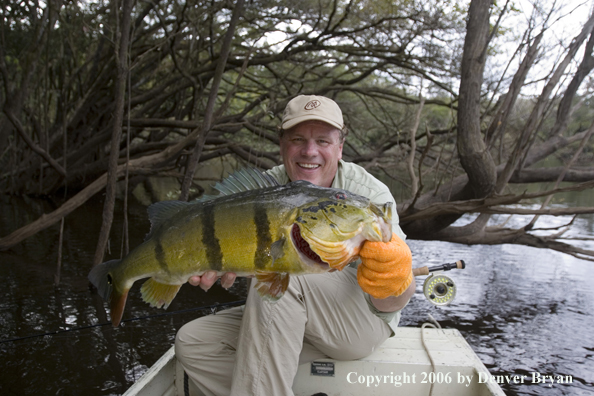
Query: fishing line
(206, 307)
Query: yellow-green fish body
(259, 228)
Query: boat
(415, 362)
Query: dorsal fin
(161, 211)
(245, 180)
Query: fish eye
(340, 196)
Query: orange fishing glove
(386, 268)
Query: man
(256, 349)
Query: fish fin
(271, 285)
(205, 197)
(387, 209)
(276, 249)
(384, 210)
(159, 212)
(245, 180)
(158, 294)
(101, 278)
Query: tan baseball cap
(312, 107)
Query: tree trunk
(208, 117)
(474, 156)
(120, 94)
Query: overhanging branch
(480, 205)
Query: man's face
(310, 151)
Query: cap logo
(312, 104)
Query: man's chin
(312, 177)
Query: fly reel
(439, 289)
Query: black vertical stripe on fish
(263, 235)
(214, 254)
(160, 255)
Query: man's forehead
(316, 128)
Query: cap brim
(309, 117)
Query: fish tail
(116, 305)
(101, 277)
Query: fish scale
(256, 227)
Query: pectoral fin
(271, 285)
(158, 294)
(277, 250)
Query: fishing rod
(460, 264)
(439, 289)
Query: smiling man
(312, 139)
(256, 349)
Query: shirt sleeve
(386, 196)
(356, 179)
(279, 173)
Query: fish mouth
(305, 250)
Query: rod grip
(421, 271)
(460, 264)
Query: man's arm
(392, 303)
(385, 273)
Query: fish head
(332, 229)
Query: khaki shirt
(356, 179)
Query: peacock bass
(254, 227)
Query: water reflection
(523, 310)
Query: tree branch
(21, 130)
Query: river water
(523, 310)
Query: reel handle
(460, 264)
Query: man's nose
(310, 148)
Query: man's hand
(386, 268)
(207, 279)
